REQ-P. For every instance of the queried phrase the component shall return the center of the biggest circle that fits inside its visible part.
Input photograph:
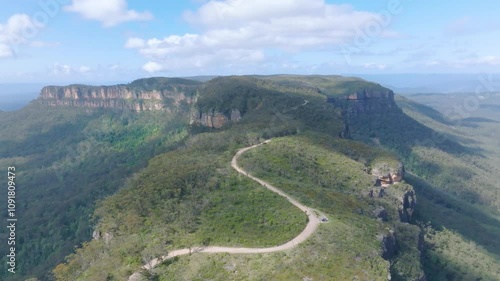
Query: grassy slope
(189, 197)
(328, 255)
(307, 167)
(342, 249)
(159, 213)
(169, 211)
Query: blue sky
(86, 41)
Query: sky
(97, 41)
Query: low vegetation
(148, 183)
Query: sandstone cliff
(145, 94)
(361, 105)
(214, 119)
(366, 101)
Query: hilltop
(144, 170)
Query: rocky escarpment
(402, 199)
(401, 240)
(386, 176)
(135, 96)
(366, 101)
(363, 104)
(214, 119)
(395, 202)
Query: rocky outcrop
(119, 96)
(407, 206)
(137, 276)
(404, 201)
(96, 235)
(370, 94)
(381, 214)
(387, 174)
(366, 101)
(214, 119)
(389, 246)
(82, 92)
(107, 237)
(367, 112)
(401, 197)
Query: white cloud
(152, 67)
(84, 69)
(5, 51)
(18, 29)
(65, 69)
(135, 43)
(113, 67)
(109, 12)
(375, 66)
(484, 60)
(476, 62)
(241, 32)
(238, 12)
(62, 69)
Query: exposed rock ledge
(214, 119)
(387, 174)
(119, 96)
(107, 237)
(367, 101)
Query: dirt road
(312, 224)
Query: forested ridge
(146, 183)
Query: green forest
(148, 183)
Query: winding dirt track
(312, 225)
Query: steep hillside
(459, 197)
(354, 196)
(145, 170)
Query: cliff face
(214, 119)
(407, 205)
(402, 198)
(366, 102)
(400, 201)
(361, 105)
(120, 96)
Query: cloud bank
(239, 32)
(108, 12)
